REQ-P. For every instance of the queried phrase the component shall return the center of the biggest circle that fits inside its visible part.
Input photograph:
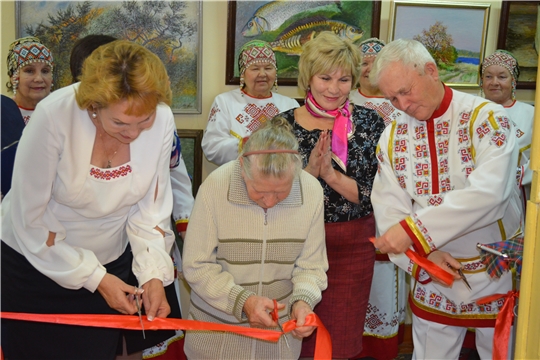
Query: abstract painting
(454, 34)
(170, 29)
(287, 25)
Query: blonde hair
(276, 134)
(123, 70)
(325, 53)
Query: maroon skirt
(351, 257)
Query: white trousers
(436, 341)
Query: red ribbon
(428, 266)
(323, 346)
(504, 321)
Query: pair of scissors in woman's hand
(275, 317)
(139, 310)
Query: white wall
(214, 55)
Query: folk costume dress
(388, 295)
(450, 182)
(348, 227)
(235, 115)
(104, 222)
(235, 249)
(522, 115)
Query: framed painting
(453, 32)
(518, 34)
(191, 140)
(170, 29)
(287, 25)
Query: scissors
(275, 317)
(460, 273)
(139, 311)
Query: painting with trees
(453, 33)
(170, 29)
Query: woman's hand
(446, 262)
(258, 311)
(300, 310)
(316, 155)
(326, 170)
(154, 300)
(114, 292)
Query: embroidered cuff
(420, 275)
(181, 225)
(420, 244)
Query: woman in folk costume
(337, 143)
(388, 295)
(238, 113)
(30, 71)
(498, 78)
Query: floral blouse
(361, 163)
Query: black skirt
(25, 289)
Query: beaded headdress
(371, 47)
(506, 60)
(253, 52)
(25, 51)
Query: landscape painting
(288, 25)
(170, 29)
(454, 34)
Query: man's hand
(446, 262)
(258, 309)
(300, 310)
(393, 241)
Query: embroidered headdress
(506, 60)
(25, 51)
(253, 52)
(371, 47)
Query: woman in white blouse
(86, 225)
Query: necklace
(109, 158)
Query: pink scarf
(342, 127)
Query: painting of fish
(288, 24)
(271, 16)
(296, 35)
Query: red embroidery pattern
(110, 174)
(400, 146)
(445, 185)
(385, 110)
(422, 169)
(443, 166)
(420, 132)
(435, 300)
(422, 187)
(213, 111)
(503, 121)
(519, 133)
(498, 138)
(401, 180)
(400, 164)
(483, 130)
(465, 117)
(435, 200)
(463, 136)
(465, 155)
(402, 129)
(257, 116)
(421, 151)
(442, 147)
(442, 128)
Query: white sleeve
(391, 203)
(182, 195)
(218, 144)
(151, 259)
(35, 170)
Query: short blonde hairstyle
(276, 134)
(123, 70)
(326, 53)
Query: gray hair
(410, 53)
(277, 135)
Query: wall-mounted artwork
(287, 25)
(170, 29)
(453, 32)
(190, 141)
(518, 33)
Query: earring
(15, 84)
(241, 82)
(513, 90)
(275, 85)
(94, 115)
